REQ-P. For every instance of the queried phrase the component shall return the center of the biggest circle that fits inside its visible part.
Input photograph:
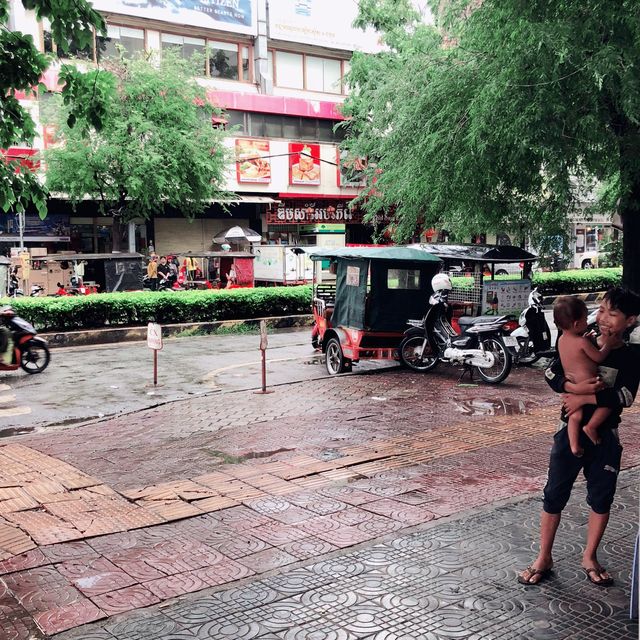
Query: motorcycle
(480, 346)
(28, 350)
(15, 291)
(533, 336)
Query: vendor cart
(215, 269)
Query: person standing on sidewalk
(152, 273)
(600, 463)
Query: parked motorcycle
(29, 351)
(480, 346)
(533, 336)
(15, 291)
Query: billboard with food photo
(304, 163)
(252, 161)
(350, 170)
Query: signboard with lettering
(310, 212)
(154, 336)
(238, 16)
(315, 22)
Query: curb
(595, 296)
(89, 337)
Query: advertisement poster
(228, 15)
(314, 22)
(55, 227)
(304, 163)
(500, 297)
(253, 163)
(350, 172)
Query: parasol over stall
(237, 235)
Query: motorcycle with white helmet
(533, 335)
(432, 339)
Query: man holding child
(614, 389)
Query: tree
(157, 147)
(21, 67)
(497, 117)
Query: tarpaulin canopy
(373, 253)
(477, 252)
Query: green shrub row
(139, 308)
(577, 280)
(560, 282)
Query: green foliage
(577, 281)
(612, 256)
(139, 308)
(21, 67)
(562, 282)
(156, 146)
(496, 118)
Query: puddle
(252, 455)
(330, 454)
(15, 431)
(501, 407)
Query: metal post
(155, 367)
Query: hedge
(564, 282)
(138, 308)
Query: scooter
(29, 351)
(533, 336)
(431, 340)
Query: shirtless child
(580, 359)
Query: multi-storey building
(277, 68)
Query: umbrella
(236, 235)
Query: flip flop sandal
(543, 573)
(603, 582)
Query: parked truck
(281, 265)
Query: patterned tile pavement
(299, 482)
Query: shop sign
(299, 212)
(228, 15)
(304, 163)
(253, 163)
(55, 227)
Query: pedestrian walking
(600, 463)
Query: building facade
(277, 68)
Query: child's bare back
(580, 359)
(577, 364)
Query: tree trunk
(631, 248)
(630, 204)
(116, 234)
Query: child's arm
(593, 353)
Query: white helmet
(441, 282)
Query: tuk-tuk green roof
(477, 252)
(374, 253)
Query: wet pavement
(393, 505)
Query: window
(302, 71)
(289, 67)
(186, 47)
(72, 51)
(223, 60)
(323, 74)
(130, 40)
(403, 279)
(268, 125)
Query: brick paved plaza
(385, 506)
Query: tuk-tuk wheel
(336, 362)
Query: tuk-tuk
(363, 314)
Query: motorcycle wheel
(410, 350)
(336, 362)
(34, 357)
(526, 348)
(503, 361)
